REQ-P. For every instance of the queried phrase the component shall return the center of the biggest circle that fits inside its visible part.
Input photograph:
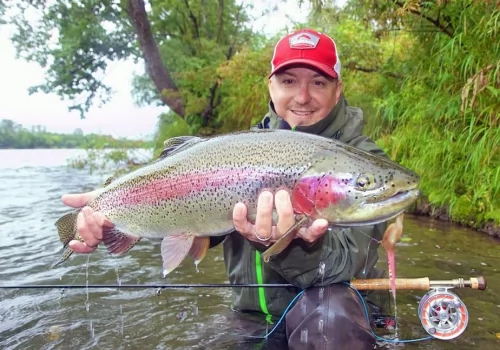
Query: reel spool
(442, 313)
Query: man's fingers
(94, 223)
(317, 229)
(285, 211)
(88, 228)
(240, 221)
(264, 219)
(77, 200)
(101, 221)
(80, 247)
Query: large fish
(188, 194)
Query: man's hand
(263, 231)
(88, 223)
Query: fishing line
(377, 337)
(280, 320)
(132, 286)
(365, 307)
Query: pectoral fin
(284, 240)
(174, 250)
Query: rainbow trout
(188, 193)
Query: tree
(182, 42)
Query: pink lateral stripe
(171, 187)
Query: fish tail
(67, 253)
(66, 228)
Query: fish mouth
(386, 209)
(399, 201)
(403, 196)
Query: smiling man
(305, 87)
(304, 82)
(306, 95)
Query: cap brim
(329, 71)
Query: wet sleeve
(339, 256)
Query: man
(306, 96)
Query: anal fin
(174, 250)
(199, 249)
(118, 242)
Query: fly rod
(423, 283)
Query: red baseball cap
(308, 47)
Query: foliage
(75, 42)
(437, 110)
(244, 86)
(13, 135)
(194, 39)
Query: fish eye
(365, 182)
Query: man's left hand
(263, 230)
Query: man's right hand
(88, 223)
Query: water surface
(32, 182)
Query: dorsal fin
(109, 180)
(176, 144)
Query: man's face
(303, 96)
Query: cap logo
(303, 41)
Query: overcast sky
(119, 117)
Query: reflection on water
(31, 186)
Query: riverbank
(424, 208)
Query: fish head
(353, 187)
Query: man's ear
(269, 86)
(338, 91)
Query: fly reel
(442, 313)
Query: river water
(31, 183)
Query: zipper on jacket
(260, 280)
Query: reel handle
(423, 283)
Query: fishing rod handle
(385, 283)
(423, 283)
